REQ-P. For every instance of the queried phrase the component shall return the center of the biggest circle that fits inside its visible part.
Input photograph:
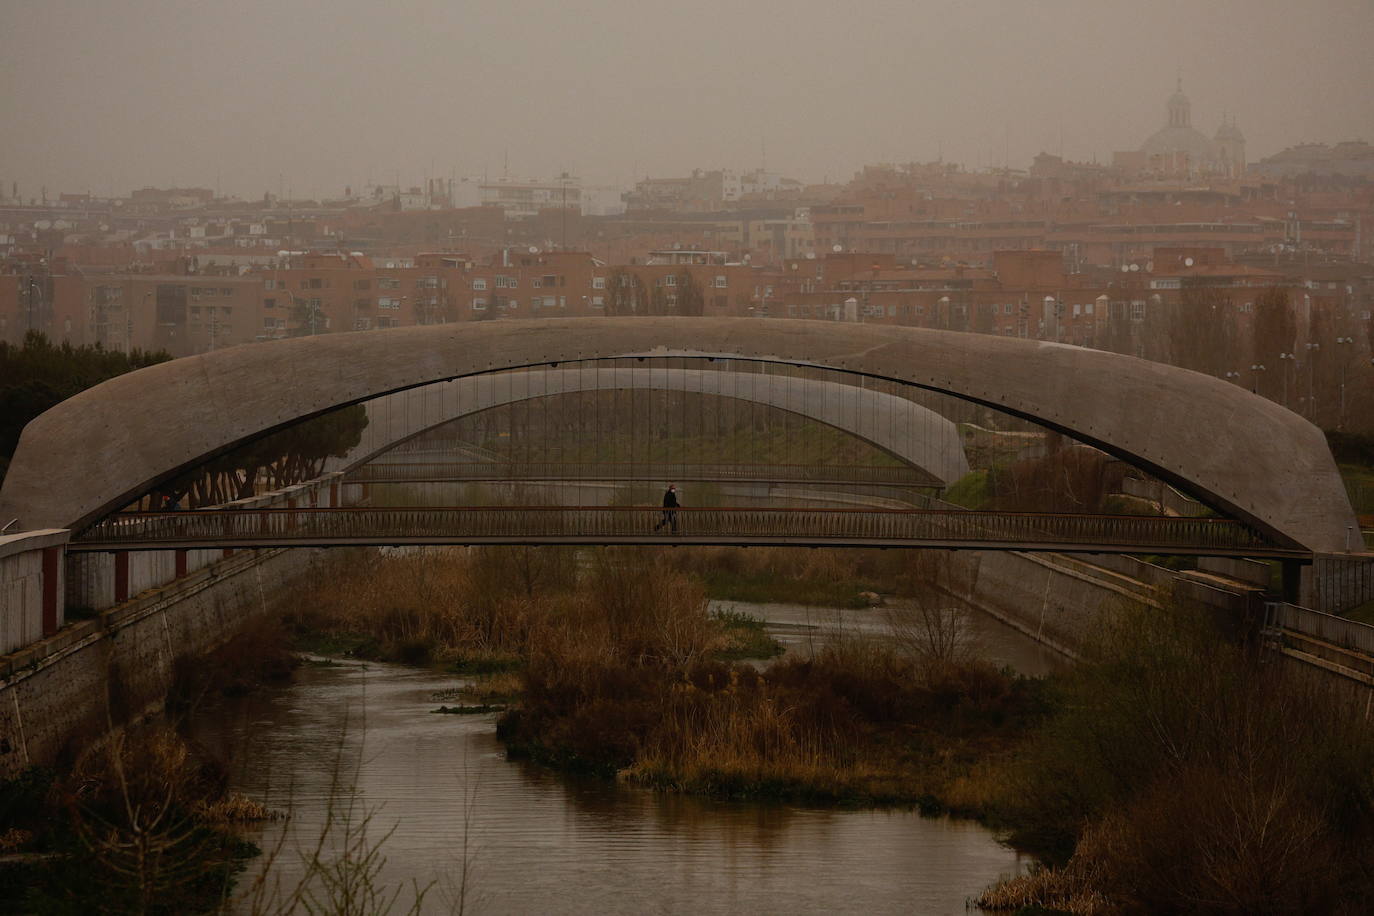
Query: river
(536, 841)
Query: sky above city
(308, 96)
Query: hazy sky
(312, 95)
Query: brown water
(541, 842)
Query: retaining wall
(65, 691)
(63, 683)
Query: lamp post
(1290, 357)
(1312, 350)
(1233, 376)
(1256, 368)
(1343, 342)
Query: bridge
(1266, 471)
(802, 527)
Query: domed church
(1179, 149)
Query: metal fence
(1348, 634)
(420, 472)
(551, 524)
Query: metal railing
(422, 472)
(584, 524)
(1348, 634)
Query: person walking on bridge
(670, 505)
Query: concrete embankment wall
(1044, 597)
(63, 681)
(1057, 599)
(109, 669)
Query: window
(1137, 309)
(269, 283)
(598, 302)
(1087, 308)
(670, 280)
(226, 291)
(385, 322)
(512, 304)
(721, 282)
(362, 324)
(536, 282)
(389, 302)
(1247, 306)
(427, 283)
(1077, 309)
(598, 282)
(920, 310)
(269, 303)
(671, 299)
(479, 304)
(361, 303)
(1006, 309)
(550, 281)
(362, 284)
(550, 302)
(506, 282)
(479, 283)
(388, 283)
(562, 301)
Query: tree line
(38, 374)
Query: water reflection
(541, 842)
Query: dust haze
(306, 98)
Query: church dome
(1229, 131)
(1179, 136)
(1176, 139)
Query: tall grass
(827, 577)
(451, 605)
(1187, 773)
(859, 720)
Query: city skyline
(305, 100)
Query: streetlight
(1312, 349)
(1343, 341)
(1256, 368)
(1233, 375)
(1286, 356)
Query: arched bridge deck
(930, 528)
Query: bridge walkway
(829, 527)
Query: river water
(434, 792)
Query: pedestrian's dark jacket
(670, 499)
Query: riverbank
(1181, 772)
(622, 671)
(1168, 768)
(143, 820)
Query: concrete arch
(1246, 456)
(914, 434)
